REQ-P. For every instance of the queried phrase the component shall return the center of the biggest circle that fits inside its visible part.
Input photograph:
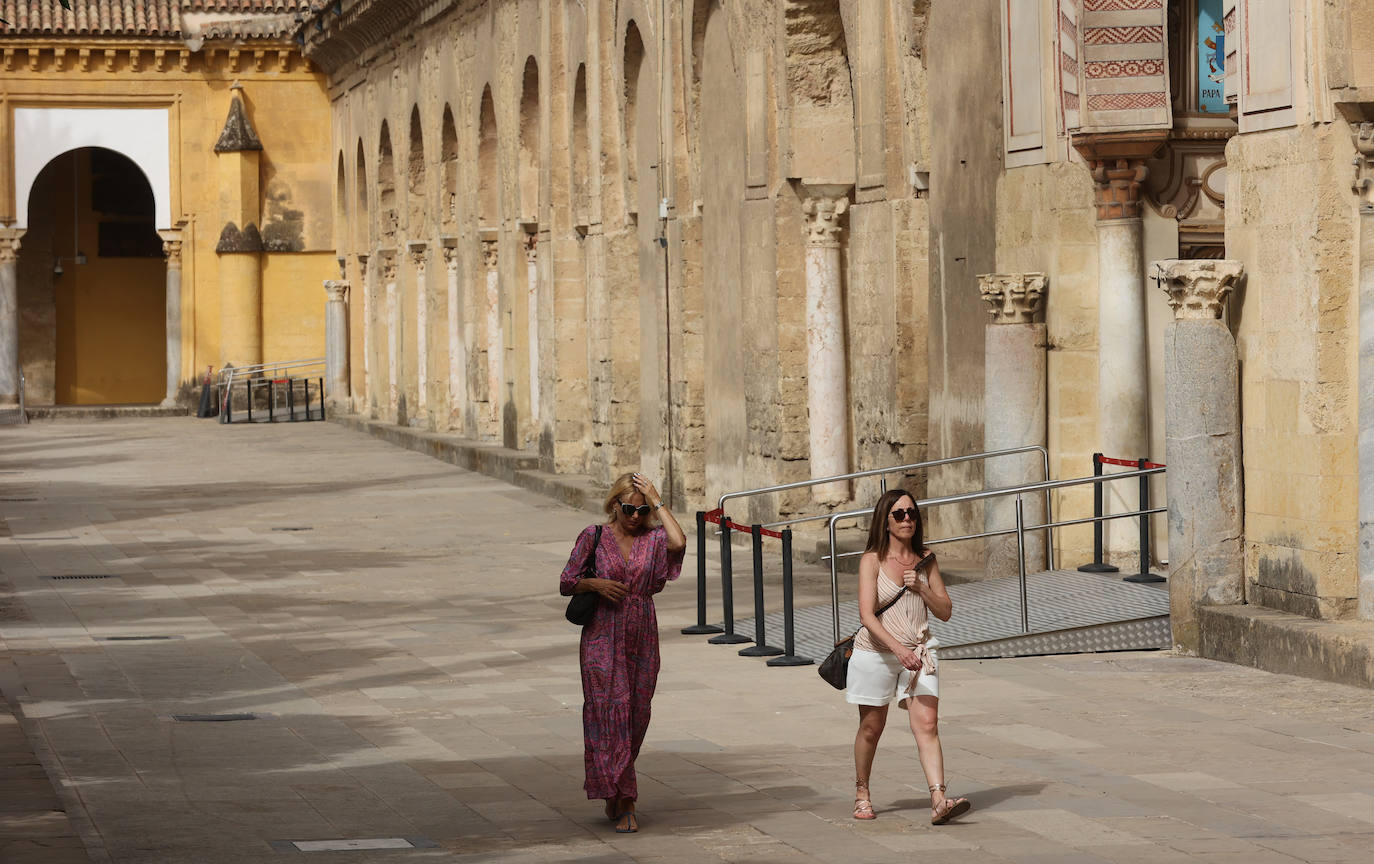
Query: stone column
(457, 345)
(366, 276)
(1117, 161)
(9, 315)
(393, 340)
(1202, 446)
(532, 318)
(1014, 391)
(171, 247)
(827, 387)
(336, 339)
(491, 257)
(417, 257)
(1364, 188)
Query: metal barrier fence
(726, 635)
(282, 380)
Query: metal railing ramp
(1070, 613)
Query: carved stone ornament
(823, 228)
(490, 250)
(1015, 298)
(388, 267)
(1364, 167)
(532, 249)
(418, 257)
(9, 244)
(451, 258)
(336, 290)
(172, 249)
(1197, 289)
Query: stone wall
(1290, 220)
(653, 174)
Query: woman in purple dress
(619, 653)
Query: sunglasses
(630, 509)
(903, 515)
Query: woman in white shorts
(894, 655)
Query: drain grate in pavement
(294, 528)
(212, 718)
(84, 576)
(346, 845)
(17, 500)
(158, 638)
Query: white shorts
(876, 678)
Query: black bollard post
(271, 403)
(1144, 575)
(701, 627)
(1097, 566)
(760, 648)
(789, 655)
(248, 387)
(306, 382)
(727, 589)
(291, 398)
(321, 398)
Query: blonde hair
(623, 487)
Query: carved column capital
(389, 265)
(417, 256)
(531, 245)
(490, 253)
(1015, 298)
(450, 258)
(1197, 288)
(825, 205)
(1364, 166)
(172, 249)
(9, 244)
(336, 290)
(1117, 163)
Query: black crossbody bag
(582, 607)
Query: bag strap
(888, 604)
(596, 543)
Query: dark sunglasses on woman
(630, 509)
(903, 515)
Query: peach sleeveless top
(907, 620)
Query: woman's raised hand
(645, 488)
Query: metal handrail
(873, 472)
(229, 373)
(1019, 530)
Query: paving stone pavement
(394, 623)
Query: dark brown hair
(877, 530)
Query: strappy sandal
(948, 808)
(863, 808)
(631, 822)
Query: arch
(141, 135)
(342, 236)
(528, 164)
(448, 155)
(361, 225)
(415, 175)
(387, 218)
(632, 67)
(93, 272)
(581, 151)
(488, 181)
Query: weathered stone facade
(623, 189)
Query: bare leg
(872, 719)
(924, 714)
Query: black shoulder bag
(582, 607)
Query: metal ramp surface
(1070, 613)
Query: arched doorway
(92, 284)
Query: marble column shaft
(532, 318)
(366, 276)
(393, 338)
(171, 247)
(1364, 189)
(1014, 391)
(336, 361)
(9, 315)
(417, 256)
(827, 384)
(457, 344)
(495, 343)
(1202, 446)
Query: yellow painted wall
(287, 105)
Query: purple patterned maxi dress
(619, 655)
